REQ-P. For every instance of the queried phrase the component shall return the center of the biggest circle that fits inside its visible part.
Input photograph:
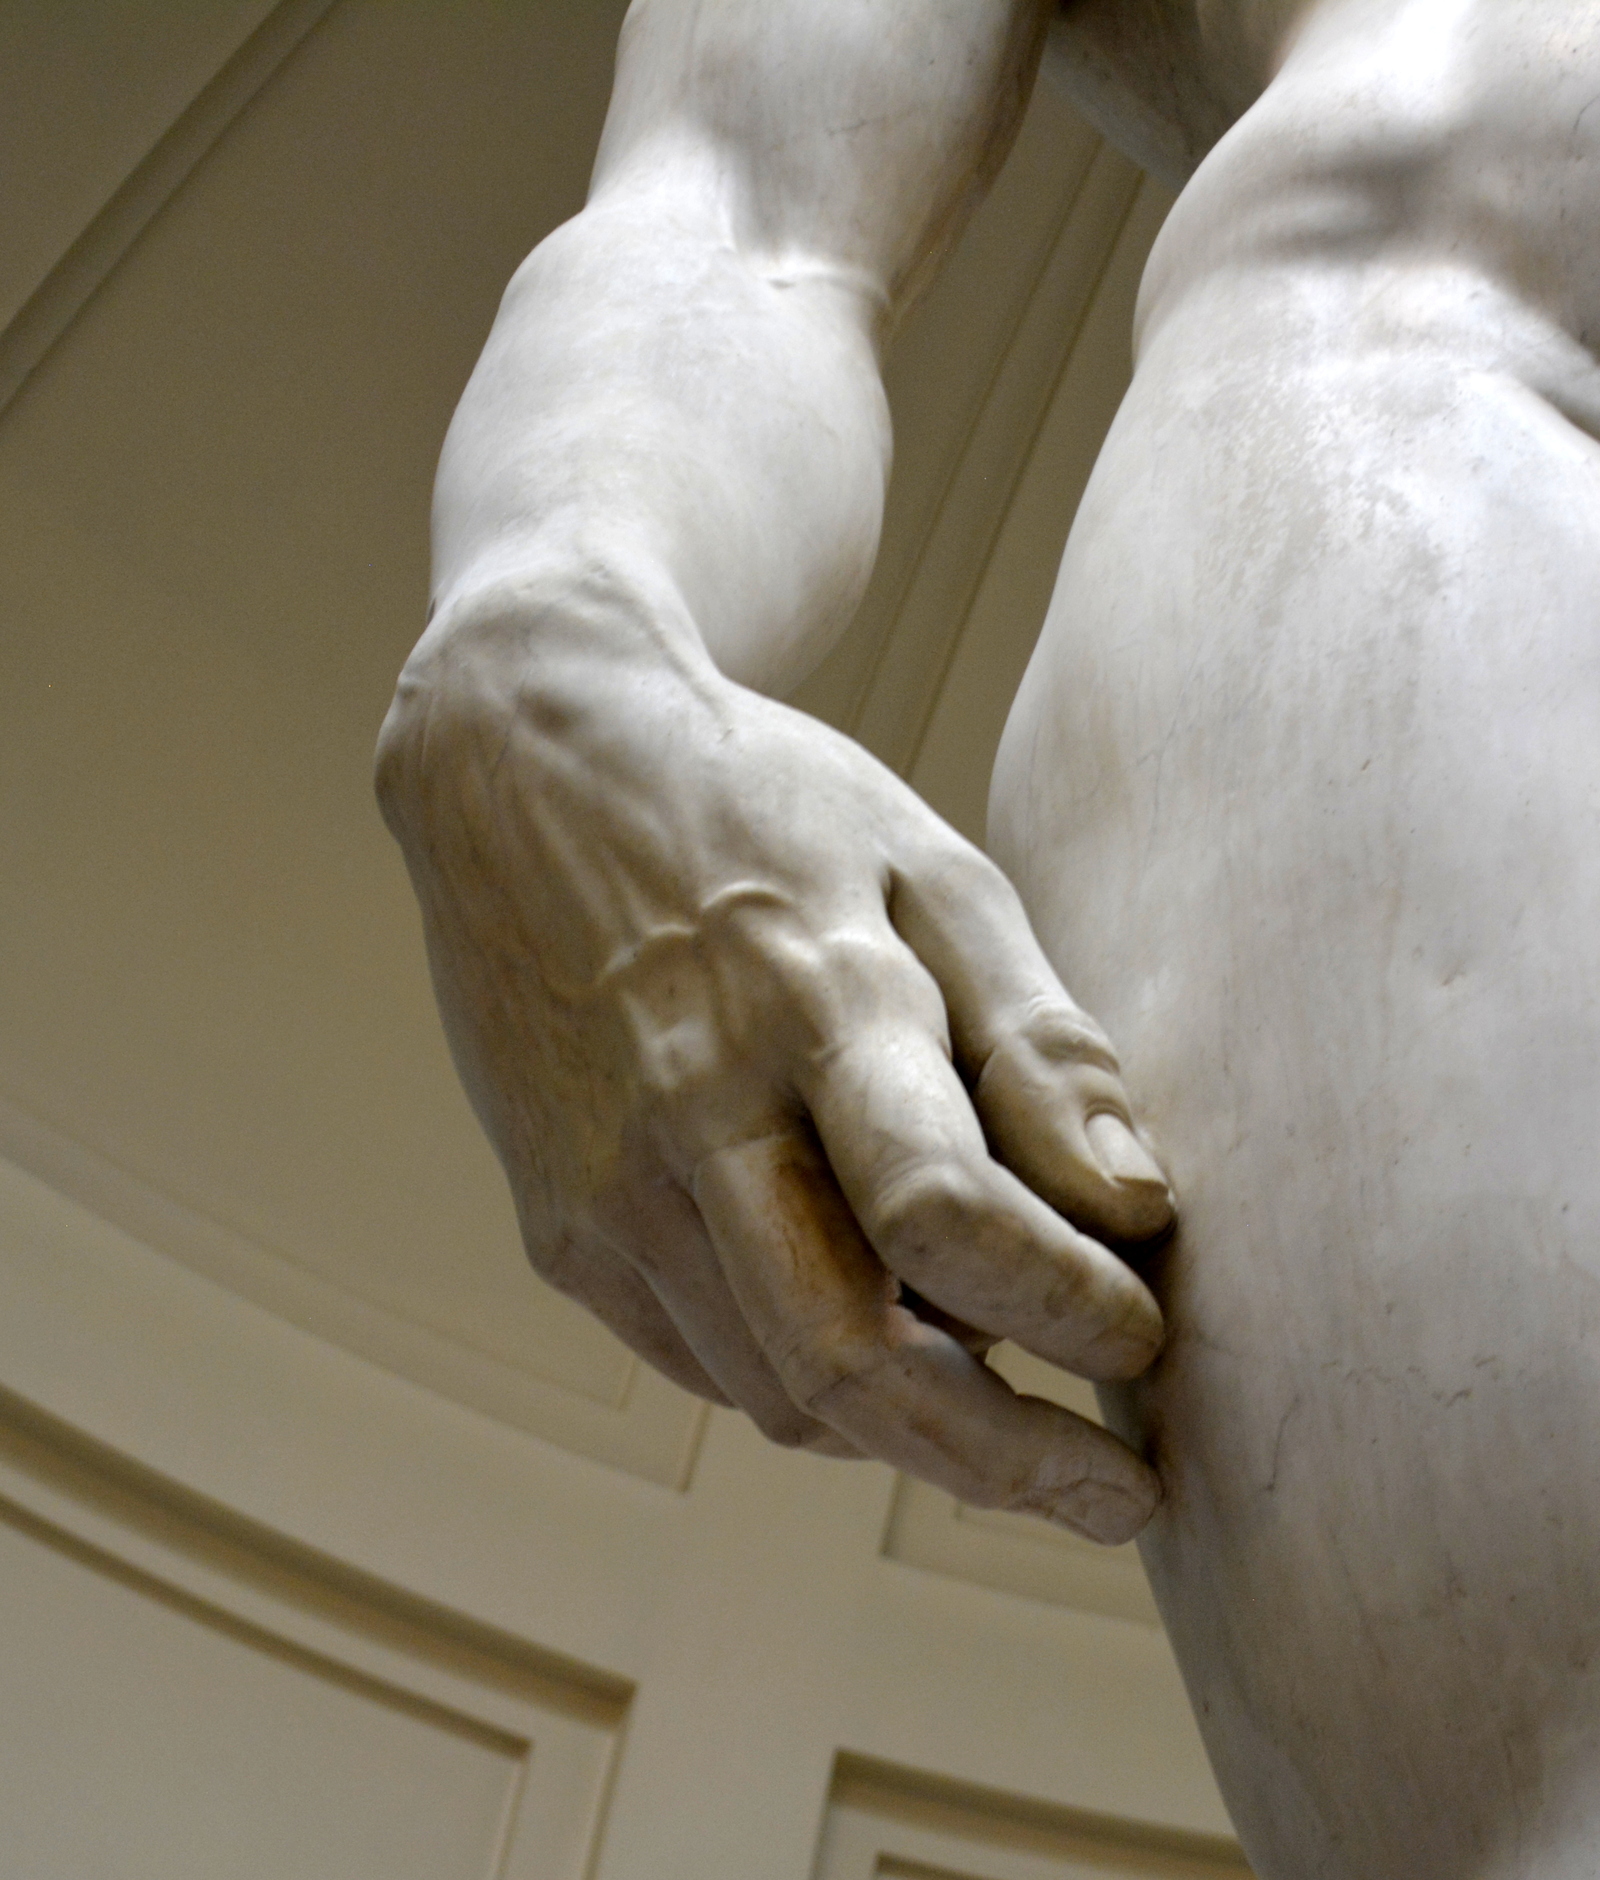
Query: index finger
(1047, 1085)
(900, 1133)
(825, 1312)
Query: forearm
(682, 385)
(650, 409)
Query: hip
(1303, 793)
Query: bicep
(850, 136)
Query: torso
(1434, 139)
(1303, 791)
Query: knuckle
(789, 1426)
(975, 873)
(678, 1055)
(815, 1363)
(928, 1206)
(943, 856)
(832, 981)
(807, 990)
(954, 877)
(1056, 1031)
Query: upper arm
(844, 135)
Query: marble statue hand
(785, 1088)
(761, 1043)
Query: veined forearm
(648, 396)
(685, 376)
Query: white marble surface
(1299, 792)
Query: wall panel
(176, 1704)
(885, 1824)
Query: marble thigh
(1303, 792)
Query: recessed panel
(896, 1825)
(145, 1736)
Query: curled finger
(900, 1134)
(1045, 1081)
(657, 1232)
(826, 1313)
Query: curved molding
(886, 1823)
(176, 1376)
(636, 1421)
(140, 1562)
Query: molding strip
(70, 285)
(648, 1427)
(914, 657)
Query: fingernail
(1121, 1155)
(1105, 1512)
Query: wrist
(569, 594)
(593, 651)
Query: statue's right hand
(786, 1090)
